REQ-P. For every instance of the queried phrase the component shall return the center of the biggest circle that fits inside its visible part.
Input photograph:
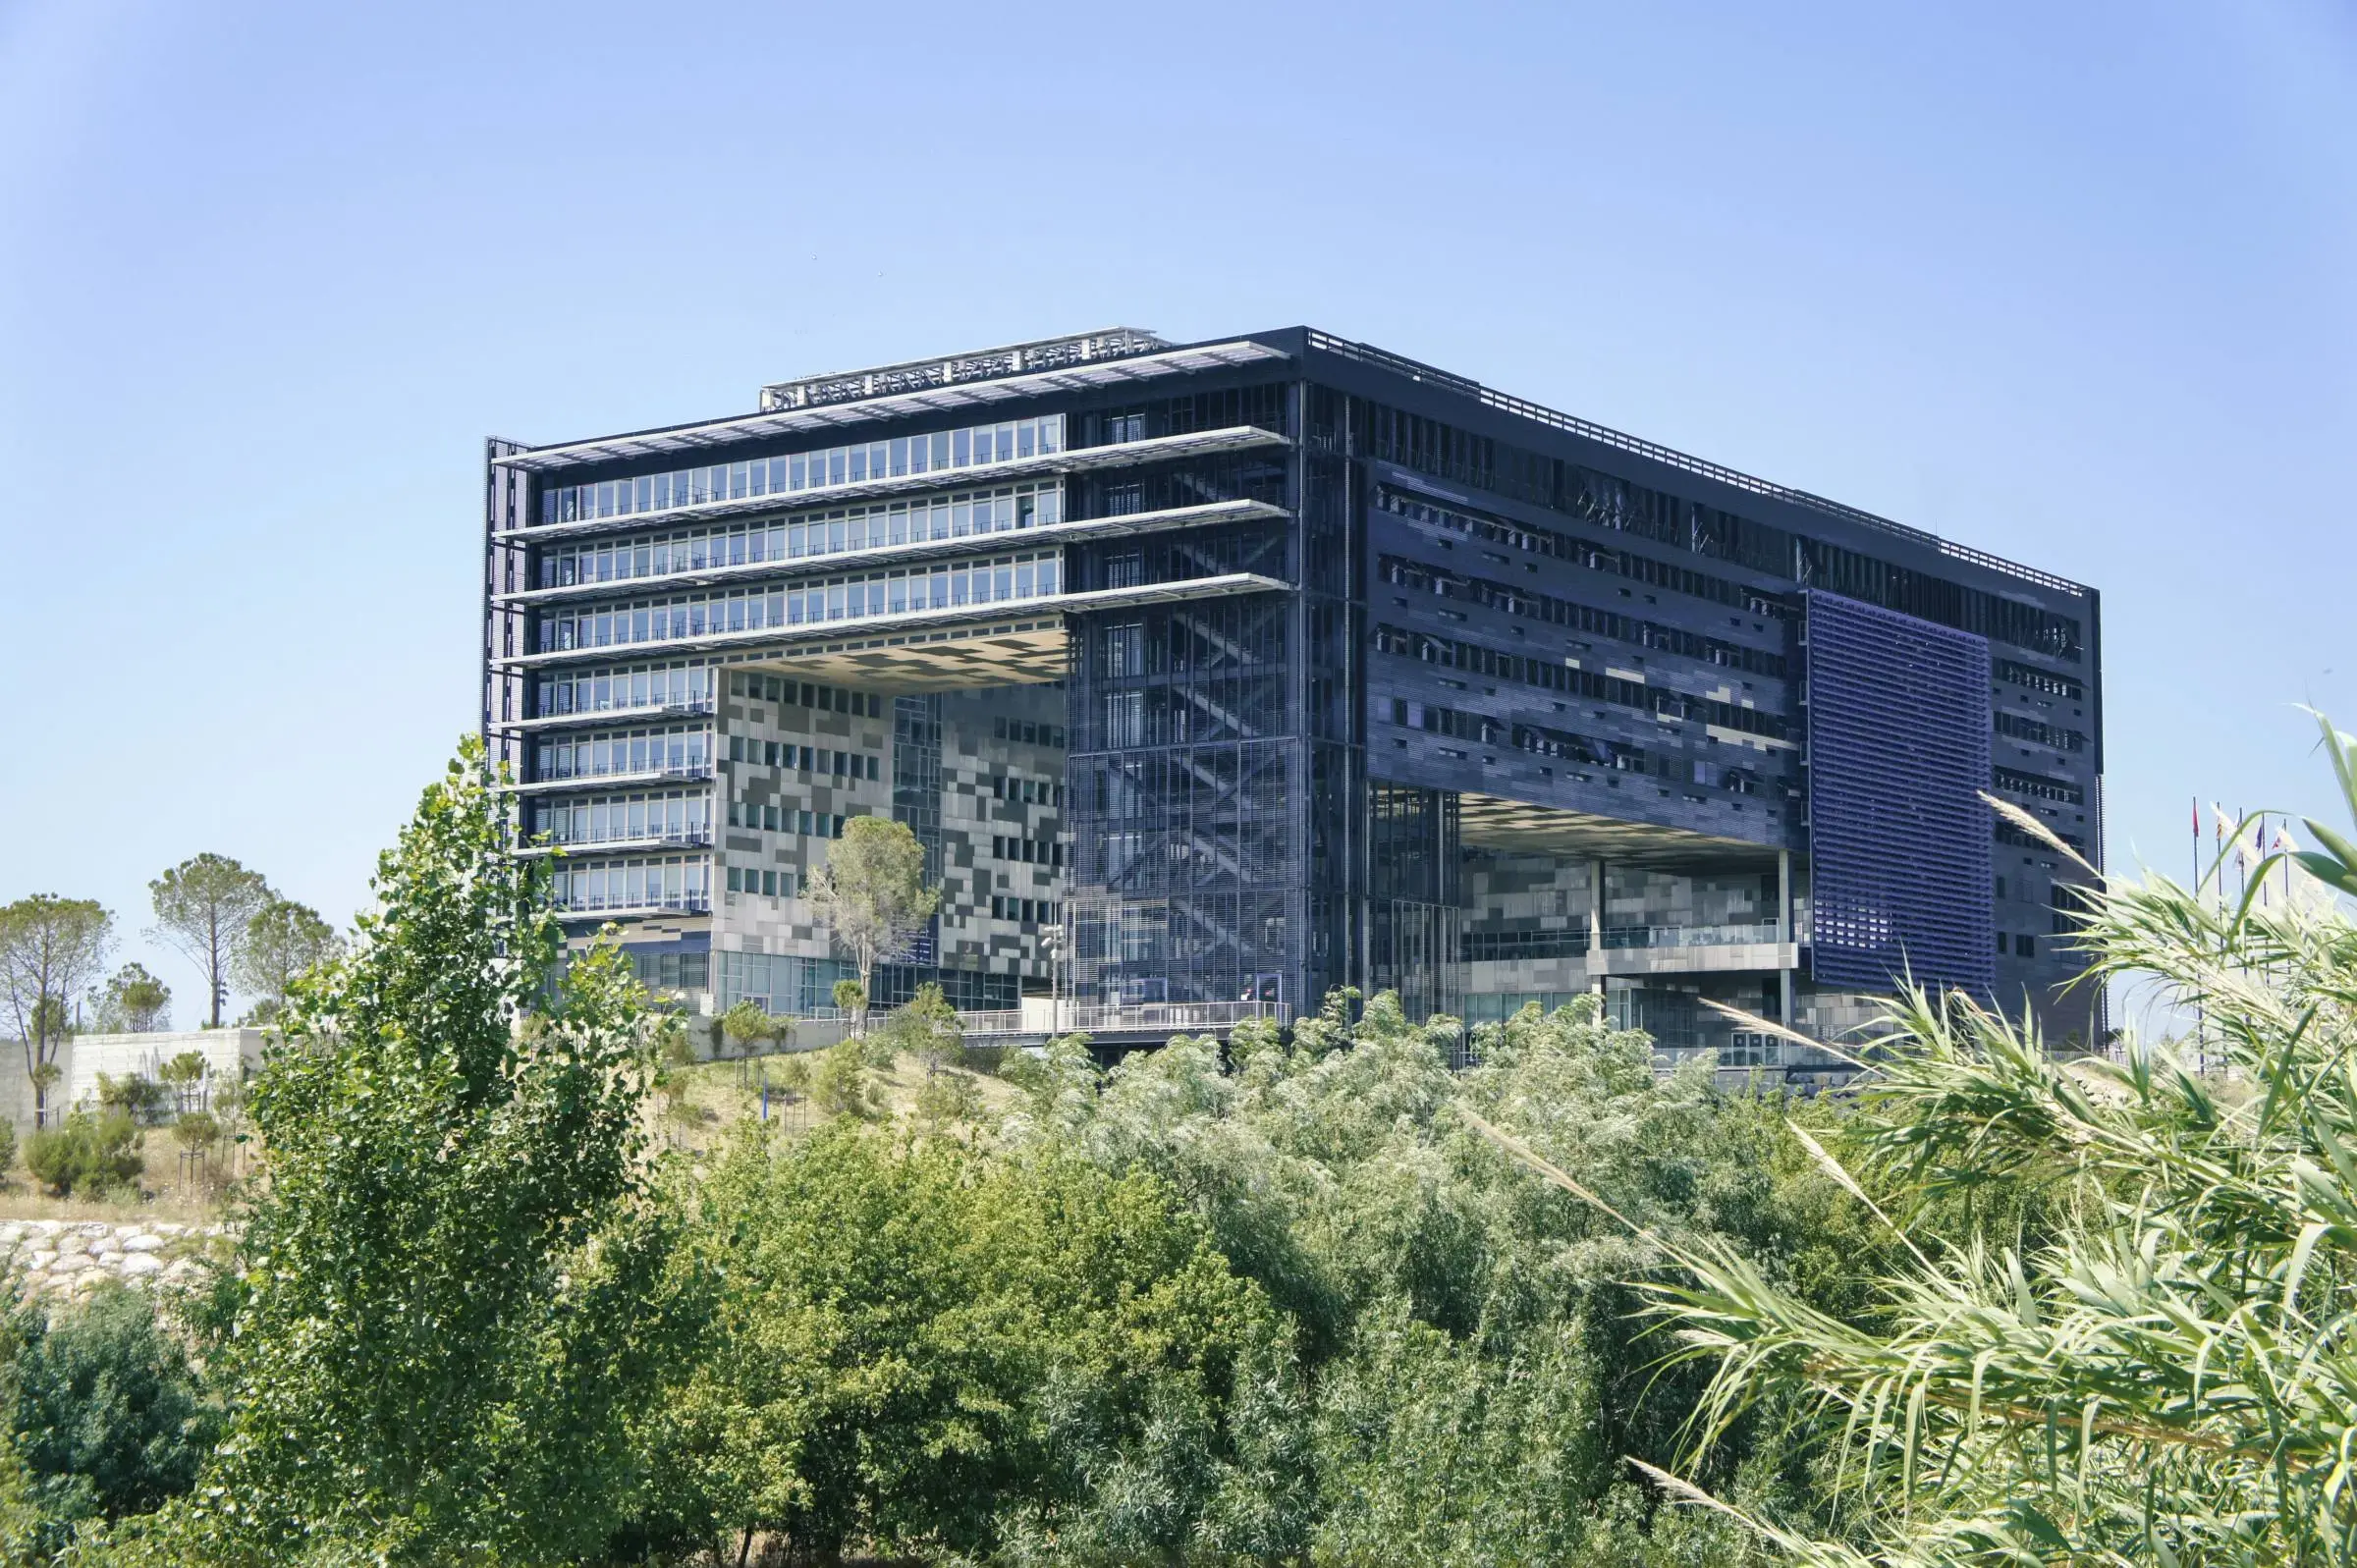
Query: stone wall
(69, 1258)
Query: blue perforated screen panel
(1898, 836)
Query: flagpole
(2201, 1050)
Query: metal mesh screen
(1898, 722)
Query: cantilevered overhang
(914, 626)
(1519, 827)
(1169, 518)
(685, 441)
(1117, 455)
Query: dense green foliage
(108, 1420)
(1473, 1370)
(923, 1346)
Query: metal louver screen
(1898, 836)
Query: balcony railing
(691, 707)
(1068, 1017)
(669, 904)
(652, 838)
(1759, 934)
(668, 770)
(1503, 947)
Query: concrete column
(1596, 925)
(1783, 937)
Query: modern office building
(1224, 673)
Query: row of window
(767, 816)
(805, 758)
(2022, 674)
(2038, 786)
(1621, 757)
(678, 883)
(1025, 792)
(1562, 547)
(942, 450)
(767, 882)
(685, 752)
(950, 516)
(770, 817)
(2007, 834)
(1553, 677)
(1030, 852)
(1026, 911)
(1519, 601)
(1030, 575)
(1616, 503)
(826, 699)
(605, 819)
(677, 685)
(1028, 731)
(2021, 727)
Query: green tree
(203, 908)
(110, 1419)
(282, 941)
(927, 1028)
(181, 1075)
(747, 1025)
(2167, 1377)
(434, 1328)
(871, 893)
(51, 949)
(851, 1000)
(133, 1003)
(839, 1086)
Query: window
(2026, 946)
(826, 468)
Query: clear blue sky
(2073, 284)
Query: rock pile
(68, 1257)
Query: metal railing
(1759, 934)
(687, 707)
(668, 770)
(682, 837)
(670, 903)
(1068, 1017)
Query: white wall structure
(229, 1056)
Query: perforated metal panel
(1898, 725)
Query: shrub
(110, 1418)
(840, 1086)
(86, 1155)
(7, 1146)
